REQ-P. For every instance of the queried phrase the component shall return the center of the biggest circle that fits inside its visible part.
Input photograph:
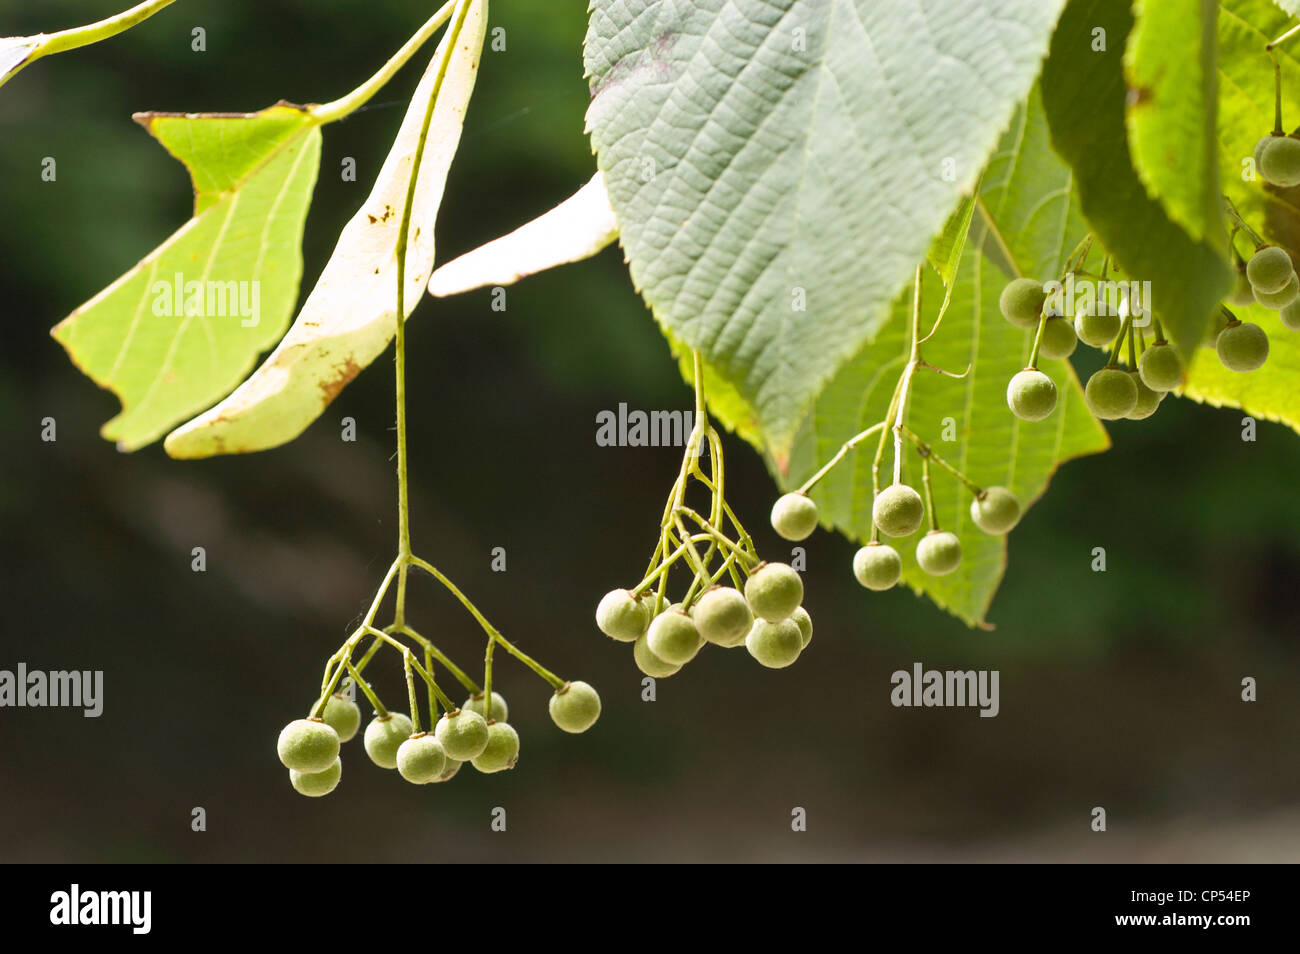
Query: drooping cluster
(1128, 331)
(899, 510)
(734, 598)
(767, 618)
(475, 732)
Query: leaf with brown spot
(350, 316)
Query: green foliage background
(1118, 689)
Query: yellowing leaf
(184, 325)
(350, 315)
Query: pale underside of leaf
(350, 316)
(576, 229)
(232, 270)
(777, 168)
(15, 53)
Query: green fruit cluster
(727, 617)
(477, 733)
(899, 512)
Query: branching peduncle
(927, 454)
(1242, 224)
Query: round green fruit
(343, 716)
(307, 745)
(939, 552)
(794, 516)
(384, 736)
(1269, 269)
(804, 622)
(1290, 315)
(462, 734)
(995, 510)
(1059, 339)
(502, 751)
(1279, 162)
(897, 510)
(775, 645)
(877, 566)
(1148, 399)
(1097, 330)
(622, 616)
(1242, 347)
(575, 707)
(1280, 299)
(1110, 394)
(316, 784)
(420, 759)
(649, 663)
(1022, 302)
(448, 773)
(1031, 395)
(1161, 368)
(1259, 148)
(477, 703)
(674, 637)
(772, 591)
(722, 616)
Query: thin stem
(368, 692)
(927, 453)
(487, 679)
(464, 600)
(1243, 224)
(1112, 362)
(410, 693)
(929, 494)
(1038, 340)
(345, 106)
(1285, 36)
(433, 699)
(555, 681)
(900, 411)
(1277, 83)
(844, 450)
(456, 672)
(77, 37)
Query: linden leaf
(184, 325)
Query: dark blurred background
(1118, 689)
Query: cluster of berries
(1154, 369)
(898, 511)
(477, 733)
(767, 619)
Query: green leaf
(1245, 115)
(350, 316)
(777, 168)
(576, 229)
(946, 251)
(182, 327)
(1084, 93)
(1172, 105)
(1027, 216)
